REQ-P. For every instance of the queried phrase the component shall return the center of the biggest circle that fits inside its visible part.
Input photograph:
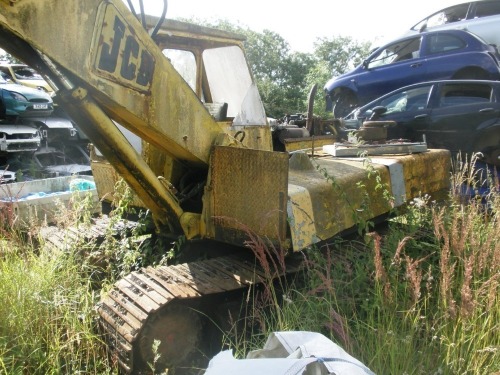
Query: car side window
(444, 43)
(410, 100)
(402, 50)
(487, 8)
(415, 99)
(460, 94)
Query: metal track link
(133, 300)
(85, 235)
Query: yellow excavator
(173, 109)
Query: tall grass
(48, 298)
(421, 299)
(48, 321)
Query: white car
(18, 138)
(481, 17)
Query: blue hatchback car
(438, 55)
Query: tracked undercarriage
(174, 305)
(186, 307)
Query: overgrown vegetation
(419, 297)
(423, 298)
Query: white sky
(300, 23)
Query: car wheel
(471, 73)
(343, 103)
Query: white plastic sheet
(291, 353)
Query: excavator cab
(214, 65)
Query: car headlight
(18, 97)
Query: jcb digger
(173, 109)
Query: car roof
(484, 81)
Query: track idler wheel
(176, 333)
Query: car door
(461, 109)
(397, 65)
(408, 108)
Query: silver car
(480, 17)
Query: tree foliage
(341, 53)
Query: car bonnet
(28, 92)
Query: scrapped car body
(54, 129)
(479, 17)
(18, 101)
(24, 75)
(67, 161)
(18, 138)
(7, 176)
(450, 54)
(462, 116)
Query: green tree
(319, 74)
(285, 78)
(277, 71)
(342, 53)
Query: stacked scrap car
(480, 17)
(22, 74)
(462, 116)
(438, 55)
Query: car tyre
(343, 103)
